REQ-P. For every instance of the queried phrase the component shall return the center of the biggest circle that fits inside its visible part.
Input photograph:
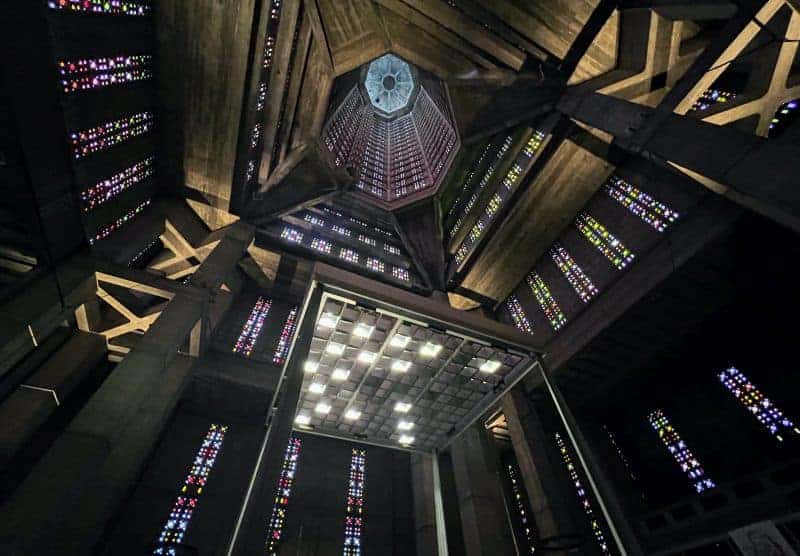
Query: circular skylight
(389, 83)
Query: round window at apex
(389, 83)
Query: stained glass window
(321, 245)
(348, 255)
(653, 212)
(583, 496)
(521, 501)
(710, 98)
(767, 413)
(784, 116)
(285, 339)
(314, 220)
(106, 7)
(281, 505)
(389, 83)
(605, 242)
(116, 184)
(574, 274)
(354, 517)
(341, 230)
(546, 300)
(680, 451)
(391, 249)
(186, 503)
(375, 264)
(366, 239)
(252, 327)
(292, 234)
(109, 229)
(112, 133)
(401, 273)
(518, 314)
(94, 73)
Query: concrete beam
(423, 485)
(749, 170)
(95, 463)
(681, 10)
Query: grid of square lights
(574, 274)
(518, 314)
(525, 515)
(105, 7)
(314, 220)
(546, 301)
(278, 518)
(94, 73)
(605, 242)
(679, 451)
(285, 339)
(375, 264)
(105, 136)
(348, 255)
(341, 230)
(653, 212)
(354, 517)
(401, 273)
(292, 234)
(251, 329)
(392, 380)
(767, 413)
(185, 504)
(116, 184)
(583, 496)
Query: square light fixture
(402, 407)
(310, 367)
(322, 408)
(334, 348)
(316, 388)
(430, 349)
(490, 366)
(302, 420)
(405, 425)
(399, 341)
(340, 374)
(366, 357)
(406, 439)
(328, 320)
(400, 366)
(352, 414)
(363, 330)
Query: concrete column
(480, 499)
(423, 485)
(249, 536)
(546, 495)
(77, 487)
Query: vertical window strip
(109, 229)
(354, 518)
(654, 213)
(679, 451)
(285, 339)
(518, 314)
(103, 7)
(521, 501)
(583, 496)
(546, 301)
(712, 97)
(783, 118)
(605, 242)
(281, 505)
(252, 327)
(622, 457)
(574, 274)
(94, 73)
(762, 408)
(186, 503)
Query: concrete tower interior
(399, 277)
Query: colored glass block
(574, 274)
(518, 314)
(546, 301)
(354, 517)
(285, 339)
(95, 73)
(116, 184)
(679, 451)
(605, 242)
(104, 136)
(251, 329)
(280, 507)
(109, 229)
(104, 7)
(653, 212)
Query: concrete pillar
(423, 485)
(483, 514)
(71, 494)
(546, 495)
(249, 536)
